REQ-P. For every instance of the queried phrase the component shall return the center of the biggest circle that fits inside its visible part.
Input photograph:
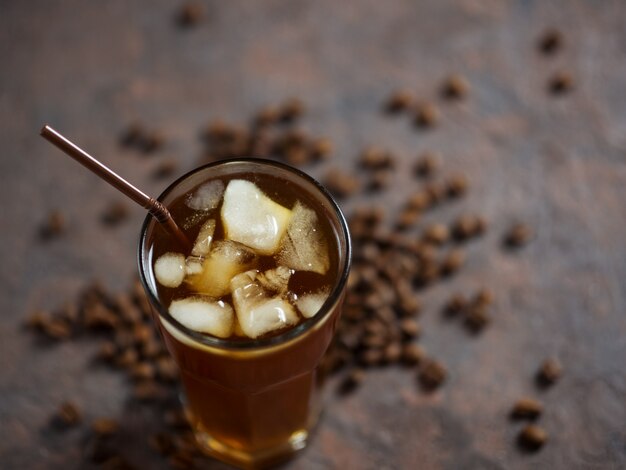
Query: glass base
(252, 460)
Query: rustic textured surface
(89, 68)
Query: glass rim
(252, 344)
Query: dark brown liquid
(243, 402)
(280, 191)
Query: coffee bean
(477, 318)
(142, 371)
(54, 225)
(107, 351)
(532, 437)
(549, 372)
(57, 329)
(379, 180)
(410, 328)
(426, 165)
(452, 262)
(436, 233)
(127, 358)
(560, 83)
(167, 370)
(133, 135)
(426, 115)
(400, 100)
(550, 42)
(467, 226)
(190, 14)
(104, 426)
(321, 149)
(115, 213)
(376, 159)
(484, 297)
(351, 381)
(291, 110)
(266, 116)
(165, 169)
(526, 408)
(518, 235)
(455, 87)
(370, 357)
(455, 305)
(456, 186)
(68, 415)
(162, 442)
(407, 219)
(392, 353)
(152, 142)
(148, 391)
(340, 183)
(432, 374)
(412, 354)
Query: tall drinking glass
(252, 403)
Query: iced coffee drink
(250, 307)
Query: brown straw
(158, 210)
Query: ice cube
(169, 269)
(206, 197)
(193, 265)
(256, 312)
(204, 315)
(202, 245)
(310, 304)
(275, 280)
(252, 218)
(304, 248)
(226, 259)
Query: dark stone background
(90, 67)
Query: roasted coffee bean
(455, 87)
(518, 235)
(321, 149)
(53, 226)
(297, 156)
(436, 192)
(104, 426)
(370, 357)
(142, 371)
(351, 381)
(410, 328)
(549, 372)
(455, 305)
(560, 83)
(379, 180)
(484, 297)
(148, 391)
(400, 100)
(432, 374)
(176, 419)
(477, 318)
(467, 226)
(550, 42)
(456, 186)
(38, 319)
(532, 437)
(133, 135)
(426, 115)
(107, 351)
(190, 14)
(266, 116)
(376, 159)
(392, 353)
(291, 110)
(57, 329)
(99, 317)
(340, 183)
(412, 354)
(526, 408)
(419, 201)
(167, 370)
(127, 358)
(115, 213)
(152, 141)
(436, 233)
(165, 169)
(427, 165)
(407, 219)
(452, 262)
(67, 415)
